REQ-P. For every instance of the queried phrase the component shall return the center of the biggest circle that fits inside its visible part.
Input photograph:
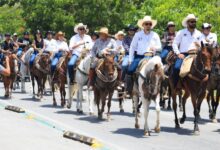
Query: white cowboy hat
(80, 25)
(147, 19)
(119, 33)
(189, 17)
(206, 25)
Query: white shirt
(1, 68)
(211, 38)
(61, 46)
(50, 45)
(119, 46)
(76, 39)
(142, 43)
(185, 41)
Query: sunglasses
(148, 24)
(82, 29)
(192, 21)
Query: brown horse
(214, 84)
(105, 83)
(9, 80)
(59, 79)
(193, 84)
(39, 71)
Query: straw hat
(104, 30)
(60, 33)
(80, 25)
(147, 19)
(119, 33)
(187, 18)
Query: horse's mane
(151, 64)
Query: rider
(94, 37)
(167, 40)
(144, 45)
(38, 45)
(78, 43)
(119, 36)
(24, 43)
(50, 43)
(207, 36)
(126, 45)
(15, 39)
(186, 40)
(61, 46)
(103, 45)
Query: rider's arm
(215, 40)
(74, 44)
(34, 45)
(5, 71)
(157, 46)
(176, 43)
(133, 47)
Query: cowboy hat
(80, 25)
(119, 33)
(131, 27)
(60, 33)
(147, 19)
(104, 30)
(206, 25)
(170, 24)
(187, 18)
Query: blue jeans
(133, 66)
(55, 61)
(1, 58)
(33, 56)
(71, 65)
(164, 53)
(19, 52)
(176, 70)
(124, 66)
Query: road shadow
(137, 133)
(92, 119)
(70, 112)
(201, 120)
(180, 131)
(218, 131)
(117, 113)
(30, 99)
(50, 106)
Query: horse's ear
(156, 67)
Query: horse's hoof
(33, 97)
(182, 120)
(68, 106)
(169, 108)
(214, 120)
(133, 111)
(196, 133)
(146, 133)
(137, 126)
(23, 92)
(157, 129)
(54, 104)
(181, 109)
(91, 113)
(80, 112)
(177, 126)
(122, 111)
(139, 114)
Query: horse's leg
(215, 106)
(64, 95)
(61, 95)
(97, 100)
(180, 101)
(80, 97)
(212, 104)
(109, 104)
(91, 101)
(175, 109)
(103, 99)
(33, 84)
(53, 92)
(185, 96)
(135, 101)
(208, 102)
(196, 113)
(146, 104)
(169, 99)
(121, 99)
(157, 127)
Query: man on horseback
(78, 44)
(186, 40)
(103, 46)
(167, 40)
(24, 43)
(50, 43)
(144, 45)
(207, 36)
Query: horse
(81, 79)
(59, 79)
(105, 84)
(9, 80)
(40, 71)
(214, 84)
(147, 87)
(194, 84)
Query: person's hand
(81, 42)
(181, 56)
(106, 52)
(205, 79)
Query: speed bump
(14, 109)
(77, 137)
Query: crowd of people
(135, 42)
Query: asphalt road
(27, 132)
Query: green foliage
(11, 20)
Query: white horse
(148, 87)
(81, 79)
(24, 70)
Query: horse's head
(206, 53)
(45, 61)
(109, 66)
(155, 77)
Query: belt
(149, 54)
(192, 51)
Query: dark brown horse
(105, 84)
(40, 71)
(59, 79)
(194, 84)
(214, 84)
(9, 80)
